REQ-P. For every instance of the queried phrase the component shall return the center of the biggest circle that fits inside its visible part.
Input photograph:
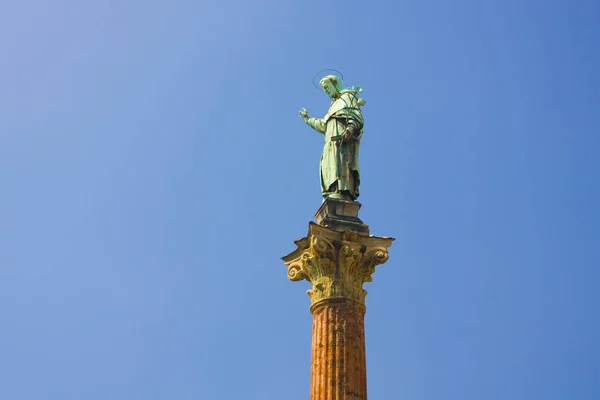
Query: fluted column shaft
(339, 370)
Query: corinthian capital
(336, 263)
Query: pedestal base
(341, 214)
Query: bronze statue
(343, 129)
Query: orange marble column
(339, 369)
(337, 263)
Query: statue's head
(332, 85)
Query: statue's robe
(340, 172)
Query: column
(337, 263)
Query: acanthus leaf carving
(336, 263)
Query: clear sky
(154, 169)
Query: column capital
(337, 263)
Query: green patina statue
(343, 128)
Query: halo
(327, 69)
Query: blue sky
(154, 169)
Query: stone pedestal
(341, 214)
(337, 257)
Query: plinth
(338, 256)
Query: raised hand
(304, 113)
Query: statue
(343, 129)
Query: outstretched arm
(317, 124)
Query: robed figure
(342, 127)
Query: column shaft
(339, 370)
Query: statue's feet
(338, 195)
